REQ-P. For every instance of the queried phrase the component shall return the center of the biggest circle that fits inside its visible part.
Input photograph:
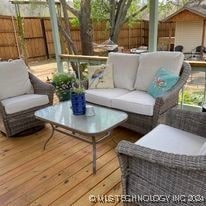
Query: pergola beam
(153, 25)
(32, 2)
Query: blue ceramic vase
(78, 103)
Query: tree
(67, 31)
(117, 12)
(168, 7)
(118, 16)
(84, 16)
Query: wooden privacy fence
(38, 36)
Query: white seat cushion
(138, 102)
(14, 79)
(104, 96)
(20, 103)
(124, 69)
(168, 139)
(150, 63)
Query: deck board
(62, 174)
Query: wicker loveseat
(131, 74)
(21, 94)
(170, 160)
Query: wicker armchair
(147, 171)
(12, 124)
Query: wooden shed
(190, 26)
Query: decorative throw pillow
(101, 76)
(164, 80)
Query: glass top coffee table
(92, 129)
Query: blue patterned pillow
(164, 80)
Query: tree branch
(73, 49)
(135, 14)
(74, 11)
(122, 9)
(125, 10)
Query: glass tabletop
(61, 115)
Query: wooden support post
(203, 38)
(140, 34)
(55, 34)
(170, 34)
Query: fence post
(44, 37)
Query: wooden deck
(61, 175)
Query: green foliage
(62, 79)
(63, 83)
(77, 4)
(166, 7)
(74, 22)
(78, 86)
(78, 90)
(192, 98)
(100, 10)
(135, 6)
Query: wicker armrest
(193, 122)
(130, 150)
(41, 87)
(170, 98)
(2, 110)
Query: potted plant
(78, 100)
(63, 83)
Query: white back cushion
(14, 79)
(150, 63)
(124, 69)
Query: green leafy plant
(63, 80)
(63, 83)
(74, 22)
(192, 98)
(78, 88)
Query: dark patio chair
(198, 49)
(179, 48)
